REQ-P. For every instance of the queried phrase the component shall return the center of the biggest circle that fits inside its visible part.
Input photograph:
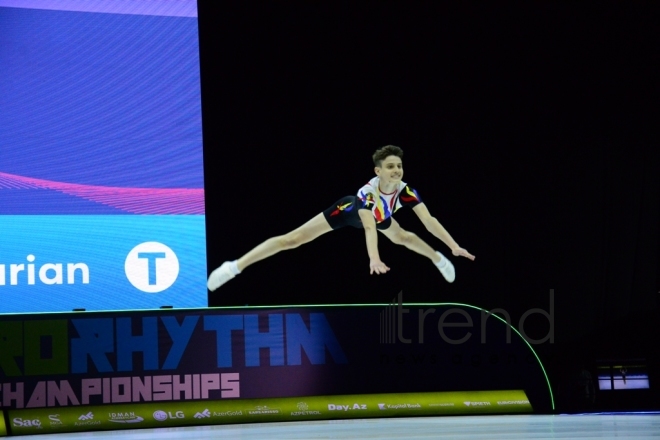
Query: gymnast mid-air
(371, 209)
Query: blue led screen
(101, 167)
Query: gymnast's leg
(398, 235)
(314, 228)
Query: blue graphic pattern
(111, 103)
(100, 99)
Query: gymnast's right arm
(371, 235)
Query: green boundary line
(545, 374)
(547, 379)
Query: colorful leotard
(344, 212)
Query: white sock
(233, 265)
(443, 262)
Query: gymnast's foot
(446, 268)
(222, 274)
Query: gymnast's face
(391, 170)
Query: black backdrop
(528, 129)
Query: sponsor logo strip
(185, 413)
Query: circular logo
(160, 415)
(302, 406)
(151, 267)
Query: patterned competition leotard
(344, 212)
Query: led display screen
(101, 168)
(627, 375)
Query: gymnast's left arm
(434, 227)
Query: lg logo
(161, 416)
(151, 267)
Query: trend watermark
(392, 323)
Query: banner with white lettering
(109, 358)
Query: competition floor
(604, 426)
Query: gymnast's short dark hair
(386, 151)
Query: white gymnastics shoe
(220, 276)
(446, 268)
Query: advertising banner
(92, 359)
(169, 414)
(3, 429)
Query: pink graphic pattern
(181, 201)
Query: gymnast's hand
(377, 266)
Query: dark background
(529, 130)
